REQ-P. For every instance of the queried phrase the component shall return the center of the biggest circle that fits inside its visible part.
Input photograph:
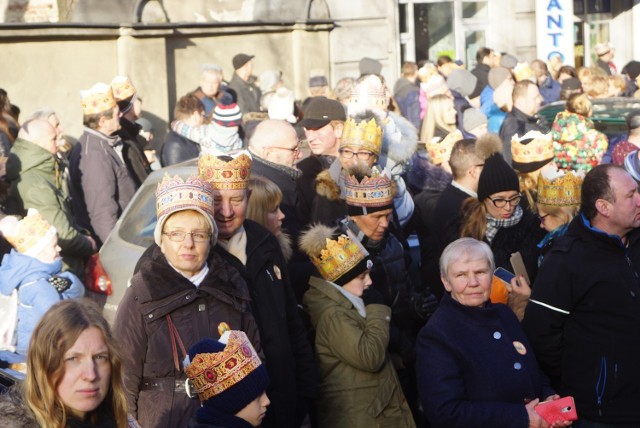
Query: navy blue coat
(475, 368)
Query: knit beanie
(282, 105)
(226, 373)
(462, 81)
(496, 176)
(508, 61)
(227, 114)
(472, 118)
(497, 75)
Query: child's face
(254, 412)
(50, 252)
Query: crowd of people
(280, 290)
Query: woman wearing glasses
(497, 218)
(181, 293)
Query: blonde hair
(529, 186)
(56, 333)
(597, 87)
(434, 118)
(265, 198)
(579, 104)
(566, 213)
(474, 220)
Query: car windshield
(137, 228)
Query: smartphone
(562, 409)
(518, 266)
(504, 275)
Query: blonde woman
(74, 374)
(440, 118)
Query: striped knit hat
(227, 115)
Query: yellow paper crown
(98, 99)
(562, 190)
(214, 373)
(364, 135)
(122, 88)
(539, 148)
(523, 71)
(233, 174)
(175, 194)
(370, 93)
(339, 257)
(440, 151)
(29, 235)
(376, 191)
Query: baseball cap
(320, 111)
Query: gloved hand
(371, 296)
(425, 304)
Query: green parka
(37, 182)
(358, 384)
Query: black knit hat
(496, 176)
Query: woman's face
(469, 281)
(188, 256)
(50, 252)
(358, 284)
(254, 412)
(274, 221)
(549, 222)
(503, 212)
(449, 112)
(87, 374)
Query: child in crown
(34, 270)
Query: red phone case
(563, 409)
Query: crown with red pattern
(226, 171)
(99, 98)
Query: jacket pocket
(385, 392)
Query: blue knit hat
(227, 376)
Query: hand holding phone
(560, 410)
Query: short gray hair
(469, 247)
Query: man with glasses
(583, 315)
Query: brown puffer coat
(156, 394)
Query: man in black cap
(323, 123)
(246, 94)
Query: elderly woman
(180, 294)
(358, 385)
(476, 367)
(74, 374)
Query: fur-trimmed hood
(424, 175)
(14, 411)
(399, 143)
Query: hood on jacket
(17, 269)
(399, 143)
(424, 175)
(25, 156)
(320, 297)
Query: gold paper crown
(233, 174)
(98, 99)
(175, 194)
(365, 135)
(539, 148)
(30, 233)
(374, 191)
(523, 71)
(370, 93)
(440, 152)
(560, 191)
(339, 257)
(214, 373)
(122, 88)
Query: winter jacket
(309, 167)
(288, 354)
(101, 186)
(210, 103)
(578, 146)
(476, 367)
(495, 115)
(246, 95)
(358, 385)
(36, 294)
(549, 90)
(36, 182)
(407, 94)
(583, 320)
(155, 386)
(133, 145)
(518, 123)
(178, 149)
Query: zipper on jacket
(601, 384)
(635, 274)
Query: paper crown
(175, 194)
(370, 93)
(214, 373)
(538, 147)
(232, 174)
(373, 193)
(30, 235)
(122, 88)
(561, 190)
(523, 71)
(440, 151)
(365, 135)
(97, 99)
(339, 256)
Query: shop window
(434, 32)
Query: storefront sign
(554, 28)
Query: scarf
(357, 302)
(548, 239)
(494, 224)
(236, 245)
(291, 172)
(211, 416)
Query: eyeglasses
(348, 154)
(501, 202)
(542, 217)
(179, 235)
(293, 150)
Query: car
(608, 114)
(108, 277)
